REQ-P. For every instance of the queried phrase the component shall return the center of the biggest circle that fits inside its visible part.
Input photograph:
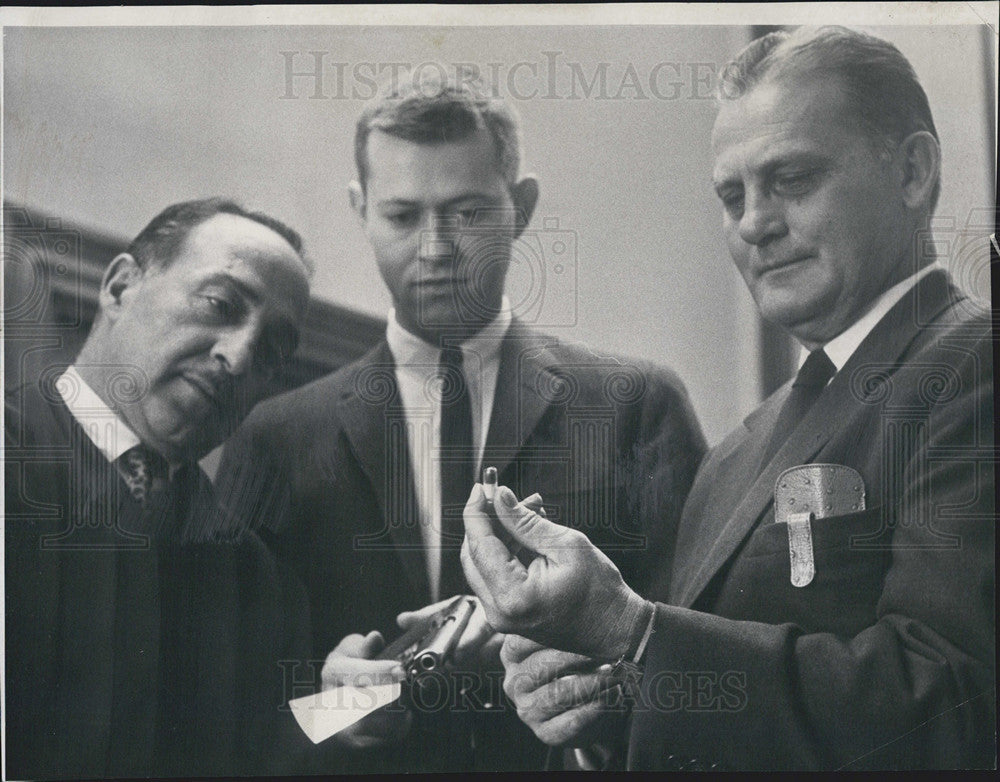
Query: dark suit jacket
(885, 660)
(611, 446)
(128, 656)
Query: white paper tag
(326, 713)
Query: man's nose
(762, 220)
(235, 350)
(439, 239)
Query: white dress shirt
(103, 426)
(109, 433)
(842, 347)
(416, 375)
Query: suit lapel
(518, 405)
(807, 440)
(718, 541)
(713, 500)
(374, 421)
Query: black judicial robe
(128, 654)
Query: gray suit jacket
(885, 660)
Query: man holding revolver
(831, 599)
(368, 469)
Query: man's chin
(188, 442)
(795, 313)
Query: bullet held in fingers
(490, 484)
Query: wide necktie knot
(815, 371)
(144, 470)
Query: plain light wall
(105, 126)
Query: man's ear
(524, 195)
(122, 273)
(356, 195)
(920, 156)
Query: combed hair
(878, 81)
(159, 242)
(429, 107)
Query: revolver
(428, 646)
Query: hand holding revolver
(352, 663)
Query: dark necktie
(164, 499)
(144, 471)
(809, 383)
(458, 464)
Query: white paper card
(326, 713)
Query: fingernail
(507, 497)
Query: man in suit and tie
(369, 468)
(831, 600)
(144, 627)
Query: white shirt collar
(408, 348)
(842, 347)
(103, 426)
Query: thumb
(534, 502)
(532, 530)
(371, 645)
(407, 619)
(350, 645)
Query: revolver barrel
(440, 643)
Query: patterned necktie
(458, 463)
(809, 383)
(144, 471)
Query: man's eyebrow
(726, 183)
(794, 157)
(469, 195)
(396, 202)
(766, 167)
(245, 290)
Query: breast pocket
(843, 594)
